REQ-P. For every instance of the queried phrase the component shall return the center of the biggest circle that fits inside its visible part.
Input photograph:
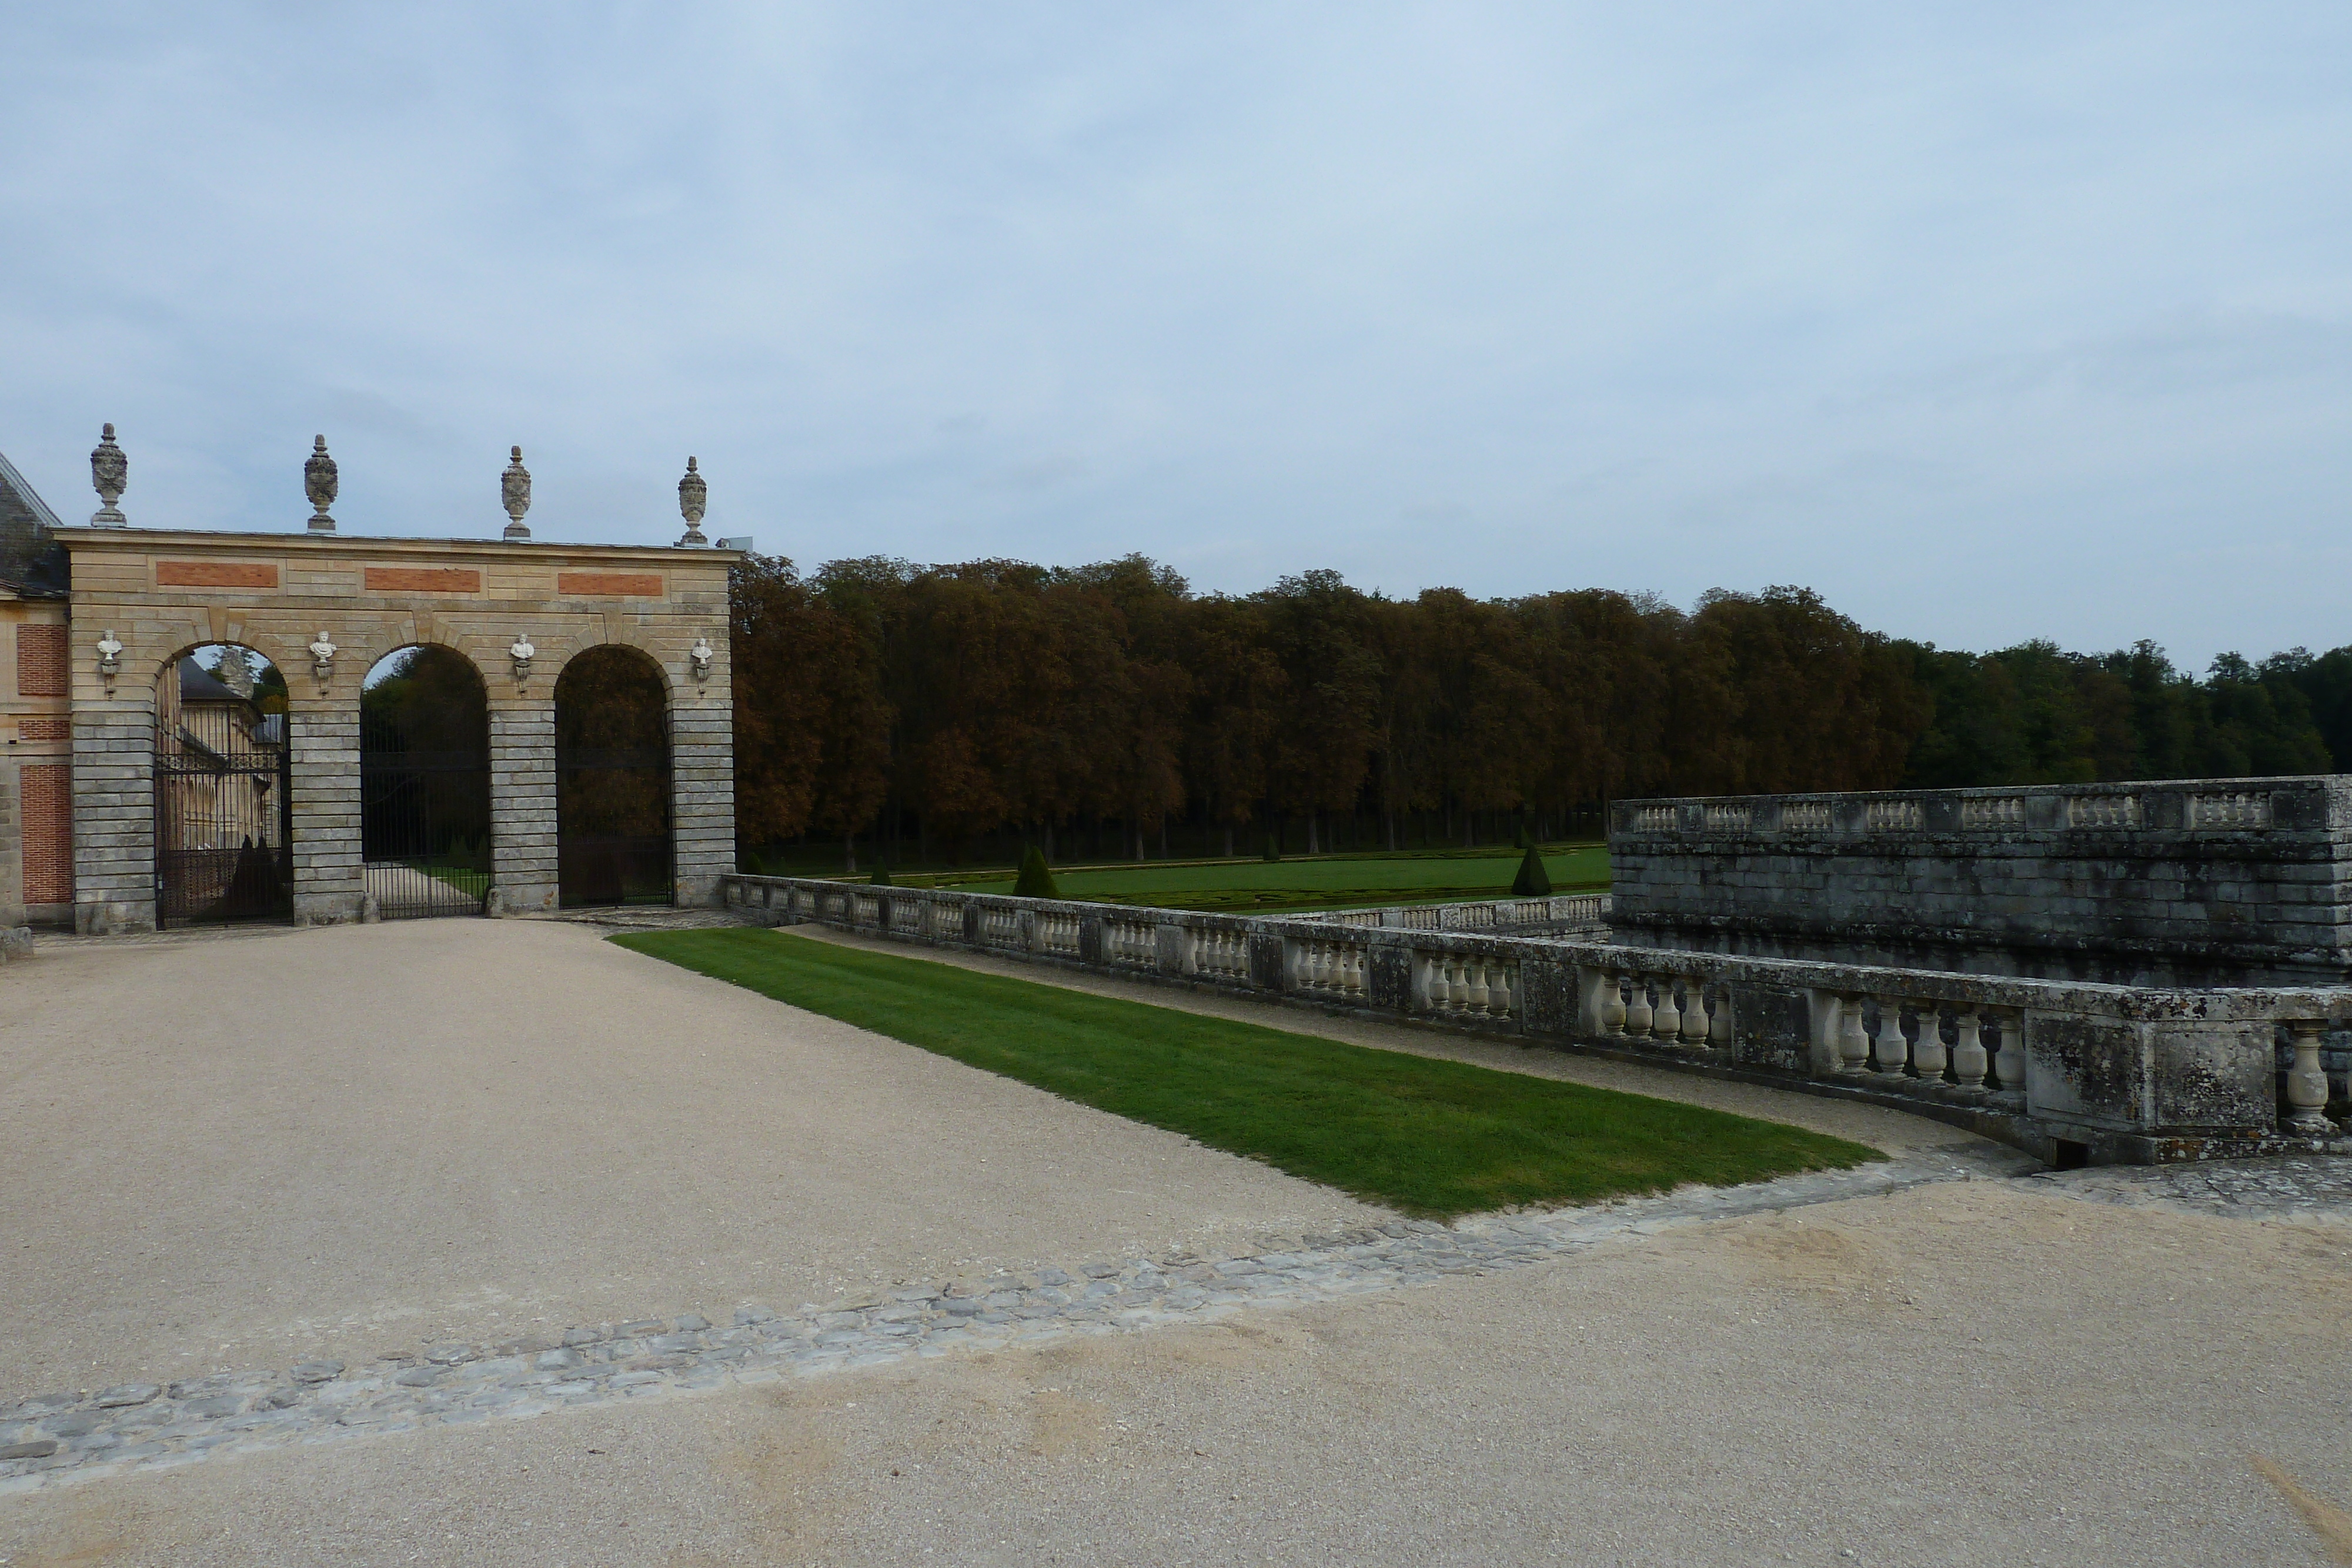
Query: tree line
(1090, 709)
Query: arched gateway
(322, 611)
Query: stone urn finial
(693, 497)
(514, 490)
(110, 472)
(320, 483)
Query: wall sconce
(323, 659)
(700, 654)
(109, 657)
(522, 652)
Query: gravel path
(262, 1148)
(1986, 1371)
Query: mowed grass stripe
(1429, 1137)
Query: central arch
(612, 779)
(424, 784)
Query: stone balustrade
(2067, 1069)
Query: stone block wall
(522, 803)
(2205, 882)
(324, 776)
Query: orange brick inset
(215, 574)
(423, 579)
(45, 729)
(616, 584)
(48, 832)
(41, 661)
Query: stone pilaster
(324, 733)
(114, 806)
(702, 783)
(522, 798)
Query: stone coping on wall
(83, 538)
(2244, 808)
(2219, 1004)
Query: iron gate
(223, 819)
(613, 811)
(425, 825)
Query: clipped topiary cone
(1034, 880)
(1533, 880)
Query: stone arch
(613, 764)
(425, 818)
(221, 775)
(252, 639)
(627, 638)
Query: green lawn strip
(1329, 883)
(1427, 1136)
(465, 879)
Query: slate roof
(32, 562)
(198, 685)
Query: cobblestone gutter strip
(83, 1436)
(2302, 1188)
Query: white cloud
(1988, 321)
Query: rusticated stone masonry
(157, 594)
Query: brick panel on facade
(48, 832)
(41, 661)
(44, 729)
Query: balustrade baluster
(1638, 1016)
(1892, 1050)
(1612, 1007)
(1718, 1021)
(1694, 1011)
(1928, 1057)
(1500, 992)
(2306, 1082)
(1666, 1019)
(2008, 1058)
(1355, 971)
(1854, 1045)
(1968, 1059)
(1475, 994)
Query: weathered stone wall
(161, 593)
(2205, 882)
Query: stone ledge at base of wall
(113, 917)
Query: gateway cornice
(82, 539)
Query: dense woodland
(1095, 710)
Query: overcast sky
(1988, 321)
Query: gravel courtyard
(257, 1150)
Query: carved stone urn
(110, 472)
(514, 490)
(693, 497)
(320, 483)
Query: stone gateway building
(96, 622)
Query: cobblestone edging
(2277, 1188)
(82, 1436)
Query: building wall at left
(36, 764)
